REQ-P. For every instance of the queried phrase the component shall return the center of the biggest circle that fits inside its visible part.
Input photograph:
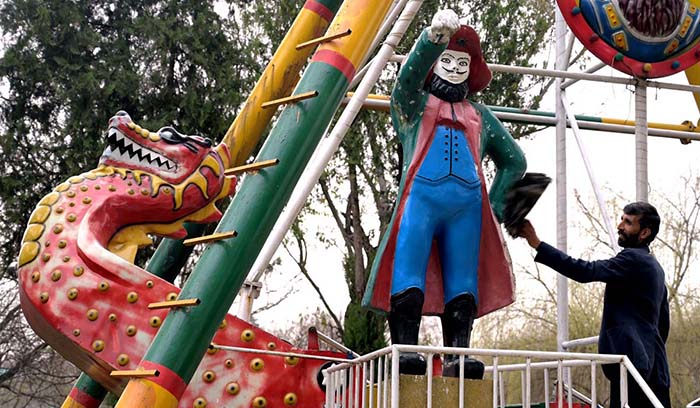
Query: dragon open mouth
(122, 149)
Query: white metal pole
(329, 145)
(371, 391)
(594, 386)
(364, 376)
(640, 102)
(461, 380)
(562, 283)
(386, 381)
(429, 374)
(394, 377)
(328, 379)
(528, 382)
(380, 384)
(560, 385)
(546, 387)
(494, 378)
(623, 385)
(359, 387)
(591, 175)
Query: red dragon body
(81, 292)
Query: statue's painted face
(453, 66)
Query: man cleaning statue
(443, 253)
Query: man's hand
(528, 232)
(444, 24)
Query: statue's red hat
(467, 40)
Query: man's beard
(629, 241)
(447, 91)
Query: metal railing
(372, 381)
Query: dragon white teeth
(126, 150)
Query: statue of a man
(443, 253)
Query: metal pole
(641, 154)
(395, 377)
(591, 176)
(494, 378)
(562, 283)
(626, 80)
(623, 385)
(528, 382)
(594, 388)
(429, 372)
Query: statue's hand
(444, 24)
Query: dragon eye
(170, 135)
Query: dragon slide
(82, 293)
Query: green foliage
(364, 330)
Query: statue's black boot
(404, 323)
(457, 322)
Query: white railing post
(394, 377)
(527, 382)
(364, 385)
(623, 385)
(546, 387)
(386, 381)
(351, 386)
(461, 381)
(379, 382)
(329, 387)
(358, 387)
(560, 385)
(370, 387)
(494, 377)
(569, 394)
(502, 390)
(594, 388)
(429, 373)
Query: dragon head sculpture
(172, 161)
(146, 183)
(166, 153)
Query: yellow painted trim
(71, 403)
(146, 394)
(689, 127)
(363, 17)
(277, 81)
